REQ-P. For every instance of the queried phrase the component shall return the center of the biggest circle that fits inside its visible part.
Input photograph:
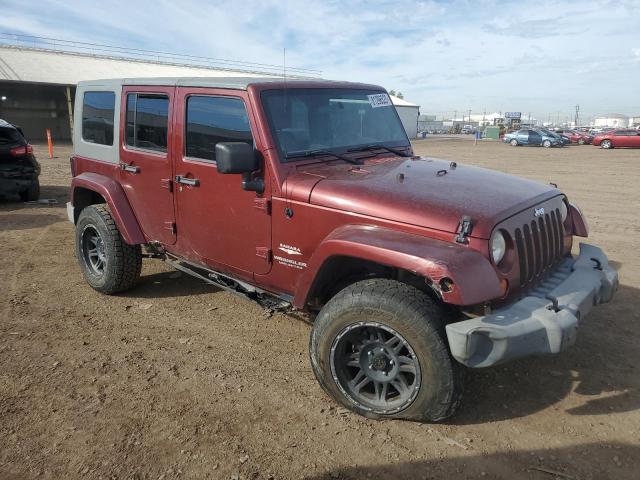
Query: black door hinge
(171, 226)
(262, 204)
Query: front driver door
(219, 224)
(534, 138)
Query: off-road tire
(514, 142)
(31, 194)
(416, 317)
(606, 144)
(123, 261)
(546, 144)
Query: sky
(541, 56)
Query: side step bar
(266, 299)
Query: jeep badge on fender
(306, 195)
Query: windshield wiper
(400, 153)
(313, 153)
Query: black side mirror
(236, 157)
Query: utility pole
(575, 121)
(484, 114)
(469, 116)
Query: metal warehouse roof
(65, 68)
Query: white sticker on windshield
(379, 100)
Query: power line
(46, 43)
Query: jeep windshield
(331, 121)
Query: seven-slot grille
(539, 245)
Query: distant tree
(399, 95)
(392, 92)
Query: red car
(307, 195)
(618, 138)
(576, 137)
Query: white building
(611, 120)
(408, 113)
(37, 83)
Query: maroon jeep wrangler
(307, 195)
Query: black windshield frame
(401, 140)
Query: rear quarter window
(9, 136)
(97, 117)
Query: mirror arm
(252, 184)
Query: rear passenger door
(145, 159)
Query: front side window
(97, 117)
(147, 120)
(211, 120)
(335, 119)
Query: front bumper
(544, 321)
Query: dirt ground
(176, 379)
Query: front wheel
(546, 144)
(606, 144)
(514, 143)
(108, 263)
(581, 141)
(379, 348)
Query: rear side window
(97, 117)
(147, 119)
(9, 136)
(214, 119)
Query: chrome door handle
(193, 182)
(129, 168)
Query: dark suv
(19, 169)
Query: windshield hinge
(465, 226)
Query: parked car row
(546, 138)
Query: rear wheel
(514, 143)
(379, 348)
(32, 193)
(606, 144)
(546, 143)
(581, 141)
(108, 263)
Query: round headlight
(498, 246)
(563, 211)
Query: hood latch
(464, 229)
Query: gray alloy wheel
(93, 250)
(375, 367)
(606, 144)
(514, 142)
(546, 143)
(378, 347)
(581, 141)
(107, 262)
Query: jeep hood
(420, 191)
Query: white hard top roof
(237, 83)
